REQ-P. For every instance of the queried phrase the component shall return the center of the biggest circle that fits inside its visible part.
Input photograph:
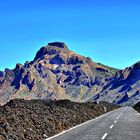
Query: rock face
(124, 88)
(52, 49)
(58, 73)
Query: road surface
(121, 124)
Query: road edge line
(81, 124)
(136, 111)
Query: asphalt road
(121, 124)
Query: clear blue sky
(108, 31)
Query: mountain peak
(51, 49)
(58, 44)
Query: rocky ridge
(58, 73)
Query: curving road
(121, 124)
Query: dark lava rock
(137, 107)
(37, 119)
(75, 60)
(57, 60)
(58, 44)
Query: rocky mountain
(58, 73)
(124, 87)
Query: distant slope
(124, 87)
(58, 73)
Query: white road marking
(120, 114)
(111, 126)
(65, 131)
(136, 111)
(117, 118)
(115, 121)
(104, 136)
